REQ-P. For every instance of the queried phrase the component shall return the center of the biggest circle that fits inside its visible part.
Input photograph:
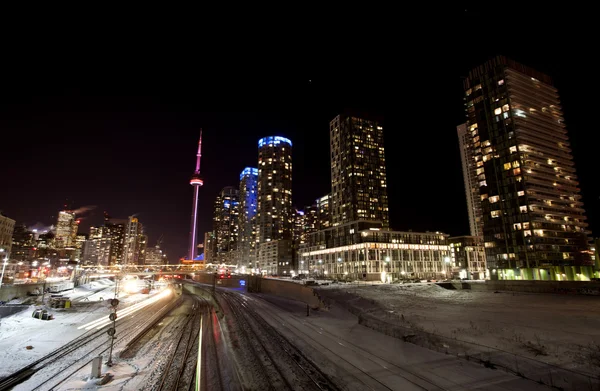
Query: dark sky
(117, 126)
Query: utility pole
(111, 332)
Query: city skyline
(148, 185)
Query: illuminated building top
(248, 171)
(275, 140)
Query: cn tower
(196, 181)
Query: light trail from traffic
(101, 322)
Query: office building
(134, 246)
(23, 244)
(115, 230)
(226, 224)
(66, 230)
(275, 218)
(534, 223)
(247, 217)
(358, 172)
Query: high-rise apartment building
(275, 217)
(324, 211)
(533, 218)
(465, 143)
(358, 172)
(247, 217)
(226, 224)
(66, 230)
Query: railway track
(408, 375)
(281, 364)
(56, 367)
(179, 371)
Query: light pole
(387, 263)
(2, 251)
(447, 261)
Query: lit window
(517, 171)
(494, 199)
(482, 183)
(469, 91)
(501, 82)
(523, 209)
(505, 107)
(516, 164)
(495, 213)
(517, 226)
(521, 193)
(507, 166)
(477, 87)
(498, 111)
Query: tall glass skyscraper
(534, 224)
(247, 218)
(358, 172)
(275, 217)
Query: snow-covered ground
(21, 330)
(563, 330)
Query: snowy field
(21, 330)
(563, 330)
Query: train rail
(56, 367)
(281, 364)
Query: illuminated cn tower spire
(196, 181)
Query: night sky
(118, 127)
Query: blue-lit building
(275, 215)
(226, 225)
(247, 218)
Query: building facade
(247, 218)
(324, 211)
(7, 227)
(134, 247)
(275, 217)
(358, 171)
(534, 223)
(276, 257)
(23, 244)
(361, 250)
(66, 230)
(115, 229)
(465, 143)
(468, 258)
(226, 224)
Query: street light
(447, 260)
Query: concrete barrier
(287, 289)
(9, 292)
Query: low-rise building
(365, 250)
(468, 258)
(276, 257)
